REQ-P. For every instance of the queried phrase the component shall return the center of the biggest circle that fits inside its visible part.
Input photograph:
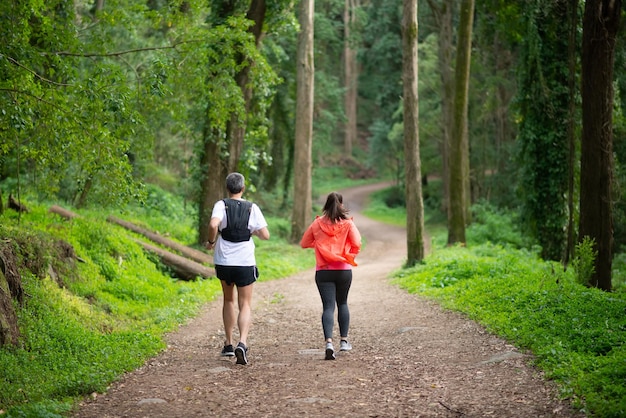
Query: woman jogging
(336, 241)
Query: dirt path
(410, 358)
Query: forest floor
(410, 357)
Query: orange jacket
(333, 242)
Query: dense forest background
(101, 100)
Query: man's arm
(214, 224)
(262, 233)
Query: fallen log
(193, 254)
(184, 268)
(67, 214)
(16, 206)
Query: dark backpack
(237, 218)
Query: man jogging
(233, 222)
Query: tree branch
(42, 78)
(118, 53)
(31, 95)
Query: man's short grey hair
(235, 182)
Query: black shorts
(239, 275)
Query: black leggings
(333, 286)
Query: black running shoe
(241, 353)
(228, 351)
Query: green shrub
(584, 261)
(490, 224)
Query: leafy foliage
(584, 263)
(68, 121)
(491, 224)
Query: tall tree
(458, 211)
(600, 25)
(572, 20)
(442, 12)
(351, 75)
(412, 166)
(544, 103)
(301, 215)
(223, 146)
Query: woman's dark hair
(333, 209)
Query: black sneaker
(240, 353)
(228, 351)
(330, 351)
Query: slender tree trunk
(443, 15)
(351, 76)
(459, 146)
(571, 129)
(302, 200)
(466, 26)
(81, 199)
(504, 93)
(413, 174)
(600, 26)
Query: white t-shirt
(228, 253)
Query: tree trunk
(81, 199)
(212, 185)
(302, 200)
(458, 214)
(571, 129)
(413, 173)
(215, 162)
(504, 94)
(351, 76)
(443, 17)
(600, 26)
(466, 24)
